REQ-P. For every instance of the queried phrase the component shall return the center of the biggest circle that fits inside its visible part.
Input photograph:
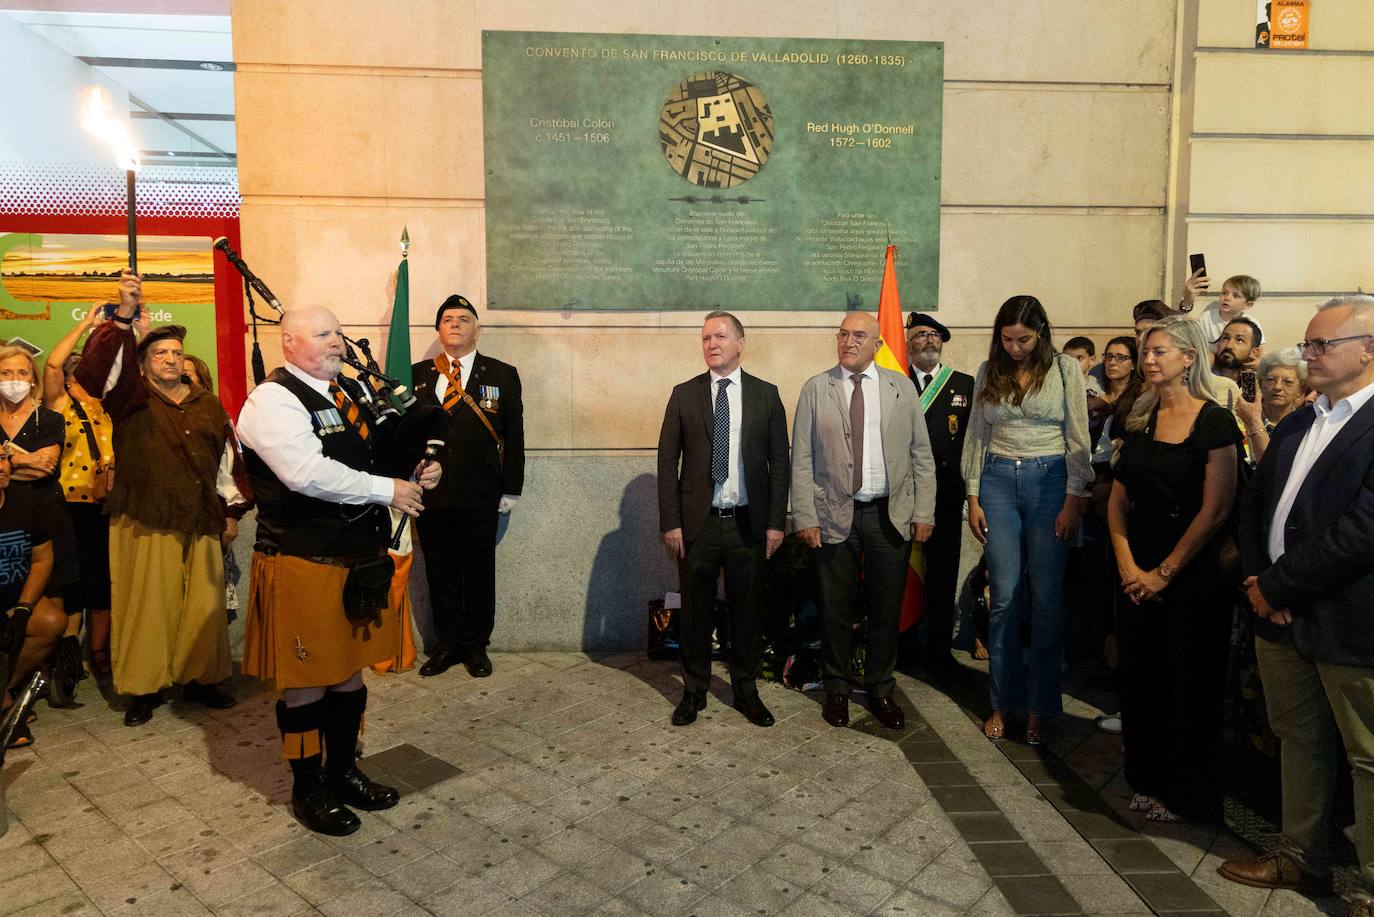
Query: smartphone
(1249, 385)
(112, 307)
(1197, 263)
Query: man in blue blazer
(1307, 530)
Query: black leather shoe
(212, 696)
(356, 790)
(836, 709)
(323, 814)
(439, 663)
(141, 709)
(754, 711)
(478, 664)
(886, 711)
(686, 711)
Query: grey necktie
(856, 429)
(720, 435)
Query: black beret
(921, 318)
(160, 333)
(454, 302)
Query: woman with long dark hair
(1026, 464)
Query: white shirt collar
(932, 372)
(733, 377)
(319, 385)
(1348, 406)
(868, 372)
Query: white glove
(507, 504)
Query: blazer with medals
(822, 476)
(474, 474)
(1326, 574)
(685, 489)
(947, 422)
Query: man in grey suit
(863, 485)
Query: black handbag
(367, 590)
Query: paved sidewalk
(558, 787)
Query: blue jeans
(1021, 498)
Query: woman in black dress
(1174, 489)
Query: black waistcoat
(292, 523)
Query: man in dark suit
(946, 398)
(722, 501)
(484, 471)
(1307, 543)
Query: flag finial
(405, 241)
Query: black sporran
(368, 590)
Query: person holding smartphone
(1027, 477)
(1238, 296)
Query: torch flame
(97, 117)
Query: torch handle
(129, 179)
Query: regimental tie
(720, 435)
(454, 393)
(350, 410)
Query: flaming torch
(97, 116)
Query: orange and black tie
(455, 385)
(350, 410)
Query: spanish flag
(892, 355)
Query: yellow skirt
(296, 633)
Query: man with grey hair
(722, 503)
(1282, 384)
(1307, 543)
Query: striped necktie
(350, 411)
(454, 371)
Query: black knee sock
(300, 744)
(343, 720)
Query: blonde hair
(10, 352)
(1186, 335)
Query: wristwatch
(1166, 571)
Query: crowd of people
(1193, 477)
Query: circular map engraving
(716, 129)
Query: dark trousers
(942, 581)
(882, 555)
(460, 567)
(1173, 674)
(723, 541)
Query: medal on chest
(328, 421)
(489, 397)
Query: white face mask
(15, 390)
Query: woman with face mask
(34, 435)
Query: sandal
(1160, 812)
(23, 738)
(1033, 736)
(994, 728)
(1141, 803)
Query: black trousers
(724, 541)
(883, 554)
(942, 583)
(460, 567)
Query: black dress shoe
(439, 663)
(754, 711)
(478, 664)
(323, 814)
(356, 790)
(836, 709)
(686, 711)
(886, 711)
(141, 710)
(212, 696)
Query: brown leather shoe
(836, 710)
(1361, 908)
(1275, 870)
(886, 711)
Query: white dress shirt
(464, 365)
(1328, 423)
(923, 378)
(275, 425)
(730, 492)
(875, 469)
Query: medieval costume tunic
(167, 512)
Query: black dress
(45, 428)
(1174, 651)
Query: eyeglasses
(1279, 382)
(1116, 358)
(1318, 346)
(858, 337)
(925, 335)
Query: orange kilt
(296, 633)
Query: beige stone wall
(1280, 150)
(358, 117)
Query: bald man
(323, 479)
(863, 486)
